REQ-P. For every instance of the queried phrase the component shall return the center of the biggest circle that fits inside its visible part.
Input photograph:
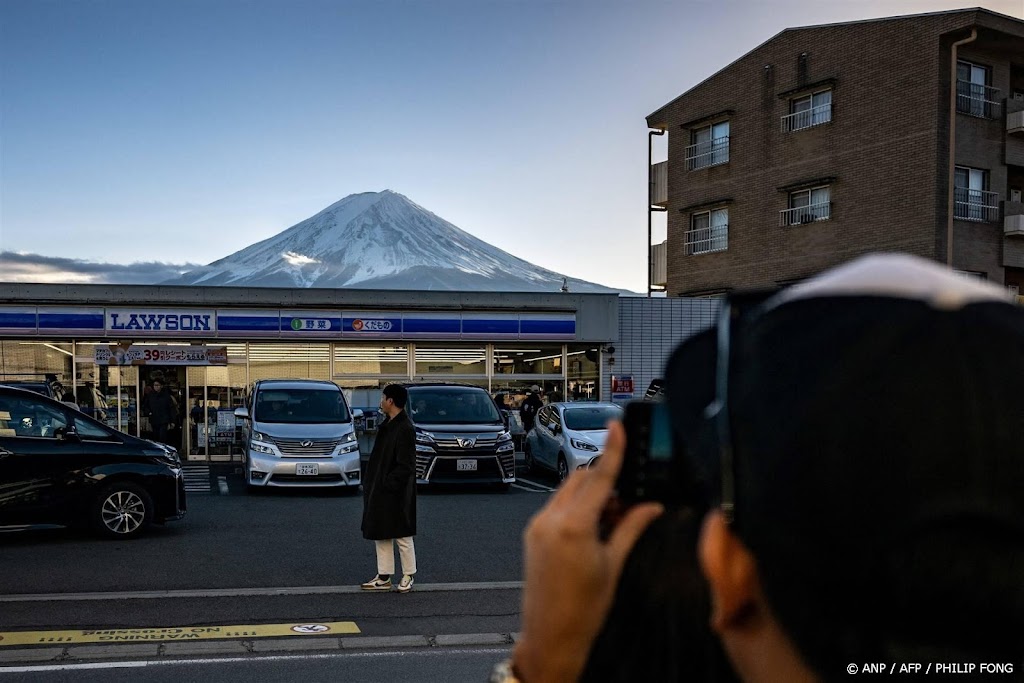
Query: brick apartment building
(828, 142)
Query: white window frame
(975, 95)
(710, 236)
(807, 111)
(972, 200)
(709, 146)
(818, 206)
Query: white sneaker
(377, 584)
(405, 585)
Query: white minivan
(299, 432)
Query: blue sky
(183, 131)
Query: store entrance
(162, 414)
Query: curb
(75, 654)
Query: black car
(461, 436)
(59, 466)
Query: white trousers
(386, 555)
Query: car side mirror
(242, 413)
(357, 414)
(68, 434)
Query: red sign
(622, 385)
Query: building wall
(885, 147)
(649, 330)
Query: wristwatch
(504, 673)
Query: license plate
(308, 470)
(465, 465)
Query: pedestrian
(389, 493)
(160, 408)
(865, 456)
(528, 410)
(555, 395)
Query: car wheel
(563, 468)
(122, 510)
(528, 464)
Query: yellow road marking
(141, 635)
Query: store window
(371, 359)
(289, 361)
(450, 360)
(583, 373)
(528, 359)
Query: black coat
(159, 406)
(389, 484)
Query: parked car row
(61, 466)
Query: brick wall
(886, 148)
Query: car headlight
(260, 436)
(424, 438)
(504, 436)
(349, 438)
(262, 448)
(583, 445)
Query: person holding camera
(859, 439)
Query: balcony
(659, 264)
(1015, 116)
(975, 99)
(1013, 219)
(659, 184)
(805, 214)
(706, 240)
(709, 153)
(975, 205)
(807, 118)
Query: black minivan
(59, 466)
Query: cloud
(22, 267)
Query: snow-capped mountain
(379, 240)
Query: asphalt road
(278, 539)
(393, 666)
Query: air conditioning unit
(1018, 95)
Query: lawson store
(105, 344)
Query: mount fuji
(379, 240)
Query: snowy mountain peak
(379, 240)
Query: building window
(808, 206)
(709, 231)
(971, 199)
(807, 111)
(975, 95)
(710, 146)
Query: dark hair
(658, 627)
(398, 394)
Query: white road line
(543, 487)
(249, 592)
(222, 485)
(197, 478)
(422, 652)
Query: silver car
(567, 436)
(299, 433)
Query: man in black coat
(159, 406)
(528, 410)
(389, 493)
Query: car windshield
(452, 406)
(590, 418)
(301, 406)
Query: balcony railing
(709, 153)
(704, 240)
(806, 214)
(659, 264)
(975, 99)
(659, 183)
(975, 205)
(807, 118)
